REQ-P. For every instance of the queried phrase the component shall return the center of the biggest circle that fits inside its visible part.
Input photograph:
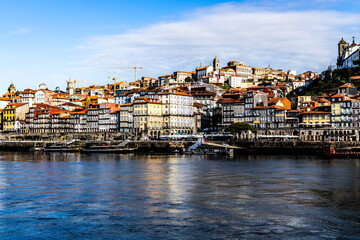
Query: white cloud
(21, 31)
(300, 40)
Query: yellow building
(148, 118)
(89, 101)
(301, 100)
(9, 118)
(336, 109)
(315, 118)
(13, 115)
(1, 114)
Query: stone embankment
(152, 146)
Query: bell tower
(11, 88)
(70, 87)
(341, 47)
(216, 64)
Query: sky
(92, 40)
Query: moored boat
(60, 148)
(331, 151)
(107, 149)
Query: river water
(108, 196)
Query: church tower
(341, 47)
(216, 64)
(353, 43)
(11, 88)
(70, 88)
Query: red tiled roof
(346, 85)
(338, 96)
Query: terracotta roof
(338, 96)
(118, 83)
(147, 100)
(126, 104)
(196, 104)
(346, 85)
(115, 109)
(70, 104)
(202, 68)
(315, 112)
(177, 93)
(227, 69)
(227, 100)
(323, 100)
(17, 104)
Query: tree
(225, 86)
(188, 80)
(356, 62)
(238, 127)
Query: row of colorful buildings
(180, 110)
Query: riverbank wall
(152, 146)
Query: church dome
(43, 86)
(342, 41)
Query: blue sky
(50, 41)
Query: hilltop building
(347, 53)
(12, 88)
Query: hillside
(330, 83)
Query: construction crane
(135, 68)
(114, 79)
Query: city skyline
(51, 43)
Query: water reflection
(53, 195)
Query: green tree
(356, 62)
(188, 80)
(238, 127)
(225, 86)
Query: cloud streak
(21, 31)
(300, 40)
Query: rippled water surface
(106, 196)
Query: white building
(28, 96)
(204, 71)
(347, 54)
(236, 81)
(180, 76)
(298, 84)
(216, 78)
(4, 102)
(178, 113)
(40, 96)
(123, 98)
